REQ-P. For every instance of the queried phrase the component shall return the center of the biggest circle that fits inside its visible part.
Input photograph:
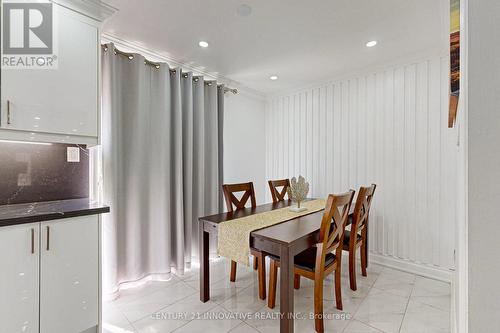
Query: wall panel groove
(390, 128)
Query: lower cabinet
(19, 278)
(52, 286)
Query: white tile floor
(386, 301)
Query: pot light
(371, 43)
(203, 44)
(244, 10)
(273, 77)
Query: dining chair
(323, 258)
(276, 194)
(357, 236)
(259, 257)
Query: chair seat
(254, 250)
(306, 260)
(347, 237)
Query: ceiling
(303, 42)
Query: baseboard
(428, 271)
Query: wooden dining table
(285, 239)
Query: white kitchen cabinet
(19, 277)
(69, 276)
(50, 276)
(62, 100)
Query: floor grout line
(227, 294)
(364, 298)
(406, 308)
(156, 311)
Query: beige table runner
(234, 236)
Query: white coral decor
(298, 192)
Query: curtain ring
(185, 75)
(173, 72)
(152, 64)
(196, 79)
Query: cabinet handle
(48, 238)
(32, 241)
(8, 112)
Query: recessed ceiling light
(371, 43)
(244, 10)
(273, 77)
(203, 44)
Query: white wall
(388, 127)
(484, 165)
(244, 141)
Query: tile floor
(387, 301)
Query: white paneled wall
(388, 128)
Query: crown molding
(94, 9)
(133, 47)
(393, 63)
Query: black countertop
(50, 210)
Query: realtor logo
(27, 33)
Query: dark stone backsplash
(40, 172)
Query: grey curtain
(162, 166)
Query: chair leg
(352, 269)
(232, 277)
(273, 274)
(318, 305)
(255, 263)
(296, 281)
(363, 259)
(262, 276)
(338, 287)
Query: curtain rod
(157, 65)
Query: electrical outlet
(73, 154)
(23, 179)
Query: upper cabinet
(62, 103)
(62, 100)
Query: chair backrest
(230, 189)
(362, 210)
(333, 225)
(279, 195)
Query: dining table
(285, 240)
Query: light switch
(23, 179)
(73, 154)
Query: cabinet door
(69, 282)
(62, 100)
(19, 278)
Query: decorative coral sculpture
(297, 192)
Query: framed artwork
(454, 61)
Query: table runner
(234, 236)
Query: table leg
(286, 290)
(204, 265)
(366, 247)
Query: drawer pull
(8, 112)
(32, 241)
(48, 238)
